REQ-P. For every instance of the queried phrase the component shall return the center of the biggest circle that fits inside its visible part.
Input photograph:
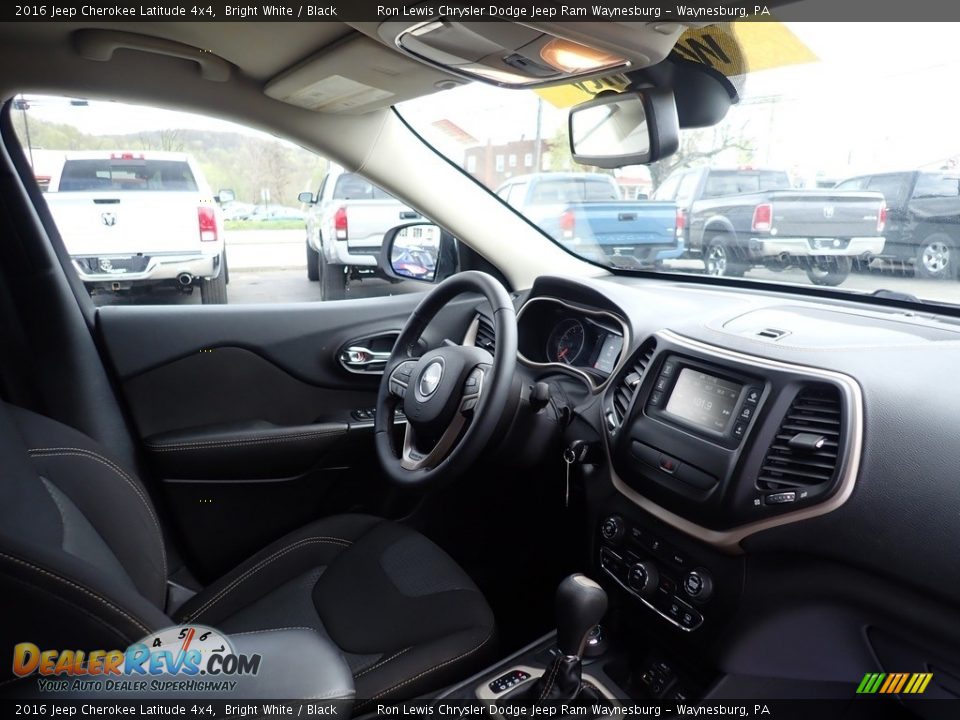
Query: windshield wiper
(895, 295)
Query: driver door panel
(250, 423)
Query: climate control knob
(613, 529)
(643, 578)
(698, 584)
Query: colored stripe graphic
(894, 683)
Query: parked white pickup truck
(346, 222)
(135, 219)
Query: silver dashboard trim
(591, 381)
(729, 540)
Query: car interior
(568, 481)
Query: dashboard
(755, 450)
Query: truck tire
(226, 268)
(718, 258)
(214, 292)
(333, 281)
(830, 272)
(313, 264)
(936, 257)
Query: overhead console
(723, 444)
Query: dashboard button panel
(655, 573)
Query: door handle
(357, 358)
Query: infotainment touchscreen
(703, 400)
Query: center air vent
(627, 383)
(485, 334)
(804, 456)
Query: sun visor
(353, 77)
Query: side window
(687, 188)
(933, 185)
(893, 187)
(518, 191)
(160, 207)
(854, 184)
(668, 190)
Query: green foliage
(243, 163)
(263, 225)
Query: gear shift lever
(581, 604)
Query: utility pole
(26, 127)
(539, 137)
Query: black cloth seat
(82, 565)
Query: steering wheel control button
(698, 585)
(781, 498)
(613, 529)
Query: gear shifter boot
(560, 681)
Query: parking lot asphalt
(269, 266)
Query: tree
(699, 146)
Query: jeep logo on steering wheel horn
(430, 379)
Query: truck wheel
(214, 292)
(226, 268)
(333, 281)
(936, 258)
(313, 264)
(830, 272)
(719, 259)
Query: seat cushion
(405, 616)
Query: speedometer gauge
(566, 342)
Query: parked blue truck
(584, 211)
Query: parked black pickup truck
(738, 218)
(923, 218)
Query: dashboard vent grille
(804, 454)
(629, 380)
(485, 334)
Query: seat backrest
(82, 561)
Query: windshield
(838, 167)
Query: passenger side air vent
(804, 456)
(627, 383)
(485, 334)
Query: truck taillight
(567, 223)
(681, 221)
(762, 217)
(882, 219)
(340, 223)
(207, 221)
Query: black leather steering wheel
(453, 396)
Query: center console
(721, 444)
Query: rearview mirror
(635, 128)
(418, 251)
(225, 196)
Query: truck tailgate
(126, 223)
(825, 213)
(618, 223)
(369, 220)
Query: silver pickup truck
(346, 221)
